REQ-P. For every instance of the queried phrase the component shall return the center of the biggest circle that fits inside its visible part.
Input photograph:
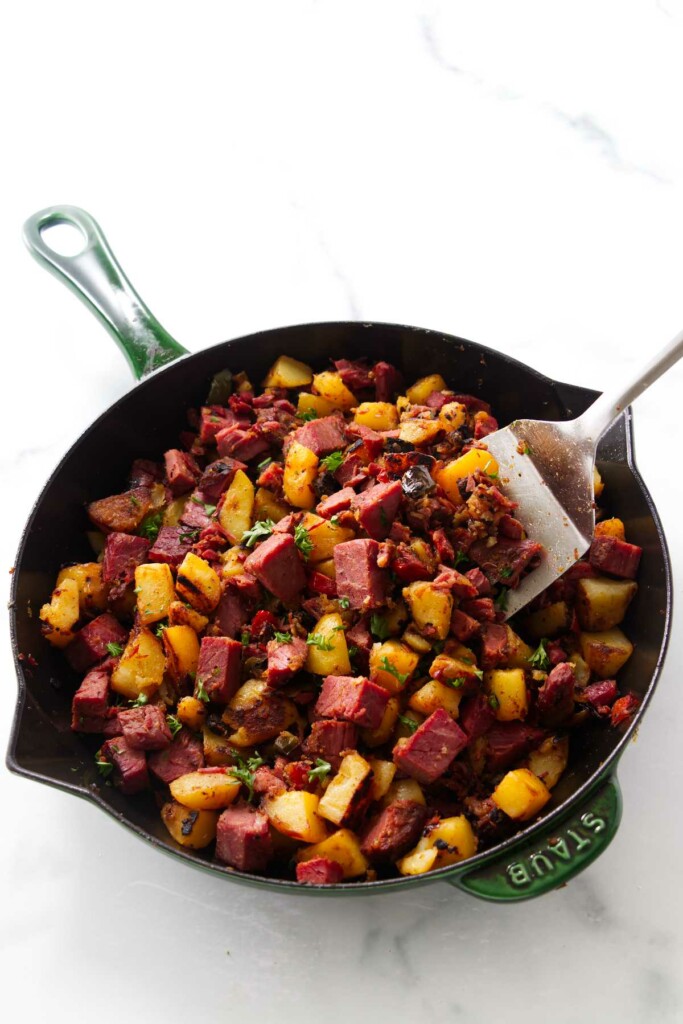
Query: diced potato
(601, 603)
(142, 666)
(324, 535)
(343, 847)
(610, 528)
(520, 794)
(155, 591)
(327, 568)
(258, 713)
(193, 829)
(454, 664)
(62, 613)
(518, 652)
(174, 511)
(191, 712)
(376, 737)
(549, 621)
(377, 415)
(435, 695)
(416, 641)
(462, 467)
(508, 687)
(382, 776)
(181, 644)
(424, 552)
(395, 618)
(198, 583)
(340, 800)
(180, 614)
(332, 662)
(296, 814)
(392, 665)
(330, 386)
(237, 508)
(430, 608)
(288, 373)
(405, 789)
(92, 592)
(452, 416)
(232, 562)
(605, 652)
(266, 506)
(582, 672)
(598, 485)
(301, 467)
(314, 403)
(419, 431)
(424, 387)
(217, 748)
(549, 761)
(451, 841)
(205, 791)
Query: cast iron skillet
(585, 810)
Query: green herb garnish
(392, 670)
(189, 535)
(303, 541)
(151, 526)
(245, 637)
(159, 630)
(353, 651)
(116, 650)
(319, 641)
(344, 603)
(506, 573)
(283, 638)
(378, 627)
(539, 659)
(244, 770)
(460, 557)
(105, 768)
(134, 501)
(261, 529)
(334, 519)
(308, 415)
(140, 700)
(174, 724)
(321, 771)
(333, 461)
(457, 682)
(209, 509)
(493, 701)
(501, 599)
(262, 465)
(200, 692)
(409, 723)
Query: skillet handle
(97, 279)
(554, 856)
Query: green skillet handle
(98, 280)
(554, 856)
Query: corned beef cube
(243, 838)
(600, 695)
(319, 871)
(388, 382)
(555, 700)
(507, 560)
(328, 434)
(145, 728)
(426, 754)
(377, 506)
(477, 577)
(455, 583)
(442, 545)
(182, 472)
(319, 583)
(122, 554)
(476, 715)
(359, 578)
(90, 643)
(171, 545)
(484, 425)
(463, 626)
(194, 514)
(241, 443)
(510, 527)
(232, 612)
(507, 742)
(353, 699)
(480, 608)
(615, 556)
(220, 664)
(217, 477)
(407, 566)
(359, 636)
(328, 738)
(185, 754)
(130, 766)
(272, 477)
(89, 703)
(351, 472)
(355, 374)
(285, 660)
(335, 503)
(394, 831)
(267, 782)
(276, 564)
(145, 473)
(495, 647)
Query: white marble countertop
(511, 173)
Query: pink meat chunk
(507, 742)
(215, 418)
(267, 782)
(276, 564)
(463, 626)
(376, 508)
(426, 755)
(145, 728)
(395, 831)
(243, 838)
(89, 702)
(507, 560)
(476, 577)
(353, 699)
(194, 514)
(220, 664)
(144, 473)
(335, 503)
(122, 554)
(484, 426)
(217, 477)
(182, 472)
(482, 609)
(388, 382)
(323, 436)
(351, 472)
(556, 695)
(90, 643)
(185, 754)
(130, 766)
(615, 556)
(494, 644)
(359, 578)
(455, 583)
(355, 374)
(476, 715)
(242, 444)
(285, 660)
(319, 871)
(600, 695)
(172, 544)
(328, 738)
(232, 612)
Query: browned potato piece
(205, 791)
(266, 506)
(61, 614)
(431, 609)
(180, 614)
(237, 508)
(549, 621)
(602, 603)
(191, 712)
(376, 737)
(182, 650)
(142, 666)
(92, 592)
(288, 373)
(257, 714)
(121, 513)
(198, 583)
(340, 799)
(605, 652)
(194, 829)
(549, 761)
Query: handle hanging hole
(64, 239)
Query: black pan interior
(148, 420)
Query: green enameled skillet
(584, 813)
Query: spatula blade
(548, 472)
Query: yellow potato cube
(430, 608)
(417, 863)
(340, 799)
(258, 713)
(610, 528)
(327, 568)
(602, 603)
(435, 695)
(382, 776)
(266, 506)
(377, 415)
(328, 654)
(476, 459)
(174, 511)
(193, 829)
(314, 403)
(92, 592)
(549, 761)
(392, 665)
(343, 847)
(330, 386)
(191, 712)
(198, 583)
(598, 485)
(419, 431)
(301, 467)
(451, 841)
(288, 373)
(549, 621)
(236, 511)
(424, 387)
(452, 416)
(217, 749)
(155, 591)
(508, 688)
(296, 814)
(62, 613)
(605, 652)
(205, 791)
(520, 794)
(324, 536)
(180, 614)
(141, 667)
(181, 644)
(405, 789)
(376, 737)
(518, 652)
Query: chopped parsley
(321, 771)
(245, 637)
(174, 724)
(344, 603)
(539, 659)
(460, 557)
(259, 531)
(262, 465)
(200, 692)
(151, 526)
(308, 415)
(501, 599)
(493, 701)
(353, 651)
(134, 501)
(409, 723)
(244, 770)
(283, 638)
(392, 670)
(190, 535)
(334, 519)
(506, 573)
(457, 682)
(105, 768)
(303, 541)
(159, 630)
(116, 650)
(479, 673)
(209, 509)
(140, 700)
(319, 641)
(378, 627)
(332, 462)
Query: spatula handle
(595, 421)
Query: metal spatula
(547, 468)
